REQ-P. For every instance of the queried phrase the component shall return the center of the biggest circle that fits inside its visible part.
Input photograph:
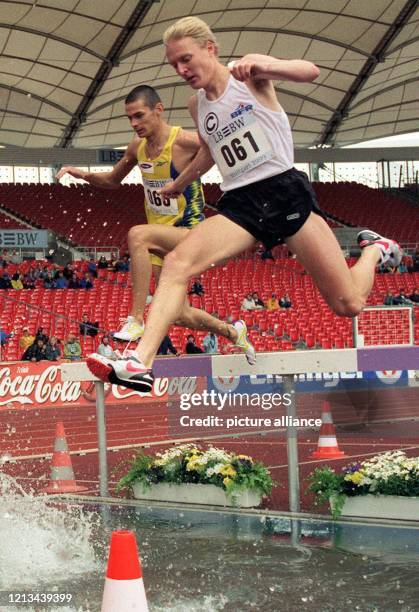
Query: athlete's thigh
(161, 239)
(319, 252)
(211, 242)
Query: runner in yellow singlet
(162, 152)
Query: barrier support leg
(101, 434)
(292, 446)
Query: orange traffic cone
(62, 475)
(327, 446)
(124, 587)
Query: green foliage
(190, 464)
(390, 473)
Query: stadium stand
(308, 324)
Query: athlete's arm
(107, 180)
(200, 164)
(257, 67)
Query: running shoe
(243, 342)
(130, 330)
(128, 372)
(391, 251)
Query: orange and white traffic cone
(62, 474)
(327, 446)
(124, 587)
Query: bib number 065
(155, 199)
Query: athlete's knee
(348, 307)
(178, 266)
(138, 235)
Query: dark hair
(144, 92)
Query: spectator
(5, 337)
(68, 271)
(248, 303)
(15, 258)
(49, 282)
(72, 348)
(26, 339)
(35, 352)
(272, 303)
(191, 348)
(102, 263)
(41, 335)
(388, 300)
(5, 281)
(166, 346)
(92, 267)
(285, 302)
(60, 281)
(402, 267)
(414, 297)
(29, 281)
(402, 300)
(105, 349)
(74, 282)
(259, 303)
(87, 328)
(86, 282)
(210, 343)
(122, 264)
(17, 281)
(197, 288)
(53, 349)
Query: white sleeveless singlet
(248, 141)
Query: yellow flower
(356, 477)
(245, 457)
(228, 470)
(191, 465)
(227, 481)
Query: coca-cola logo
(30, 385)
(38, 388)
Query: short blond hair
(192, 27)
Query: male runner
(162, 152)
(245, 130)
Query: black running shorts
(272, 209)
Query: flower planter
(196, 494)
(381, 506)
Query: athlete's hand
(246, 68)
(171, 190)
(75, 172)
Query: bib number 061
(235, 151)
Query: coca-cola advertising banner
(39, 385)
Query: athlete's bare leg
(207, 244)
(158, 239)
(344, 289)
(143, 240)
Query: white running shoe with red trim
(391, 251)
(128, 371)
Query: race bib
(157, 203)
(240, 146)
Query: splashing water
(41, 542)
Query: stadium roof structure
(66, 66)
